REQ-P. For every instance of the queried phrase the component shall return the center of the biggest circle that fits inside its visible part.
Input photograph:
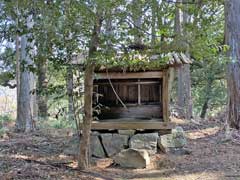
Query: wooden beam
(128, 83)
(165, 96)
(147, 125)
(129, 75)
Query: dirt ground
(40, 156)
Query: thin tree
(83, 160)
(69, 84)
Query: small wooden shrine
(134, 99)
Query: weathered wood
(129, 75)
(165, 97)
(139, 92)
(127, 83)
(185, 59)
(141, 112)
(147, 125)
(177, 59)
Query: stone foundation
(123, 143)
(113, 143)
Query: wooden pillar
(139, 92)
(165, 96)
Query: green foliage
(4, 120)
(60, 123)
(63, 29)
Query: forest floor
(39, 155)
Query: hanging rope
(117, 96)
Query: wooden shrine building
(134, 99)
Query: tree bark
(26, 104)
(232, 38)
(42, 98)
(208, 91)
(83, 161)
(25, 113)
(69, 81)
(184, 98)
(137, 19)
(154, 7)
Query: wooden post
(139, 92)
(165, 96)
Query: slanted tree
(232, 38)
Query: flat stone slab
(132, 158)
(114, 143)
(147, 141)
(96, 147)
(173, 141)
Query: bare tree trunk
(180, 92)
(208, 91)
(232, 38)
(17, 65)
(83, 161)
(137, 19)
(184, 98)
(26, 110)
(69, 84)
(153, 23)
(42, 89)
(25, 121)
(188, 98)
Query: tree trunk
(188, 98)
(25, 110)
(232, 38)
(184, 98)
(83, 161)
(137, 19)
(26, 101)
(154, 7)
(42, 90)
(69, 81)
(208, 91)
(17, 66)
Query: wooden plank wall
(142, 112)
(148, 91)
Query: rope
(110, 82)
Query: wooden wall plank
(142, 111)
(129, 75)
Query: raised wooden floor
(143, 124)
